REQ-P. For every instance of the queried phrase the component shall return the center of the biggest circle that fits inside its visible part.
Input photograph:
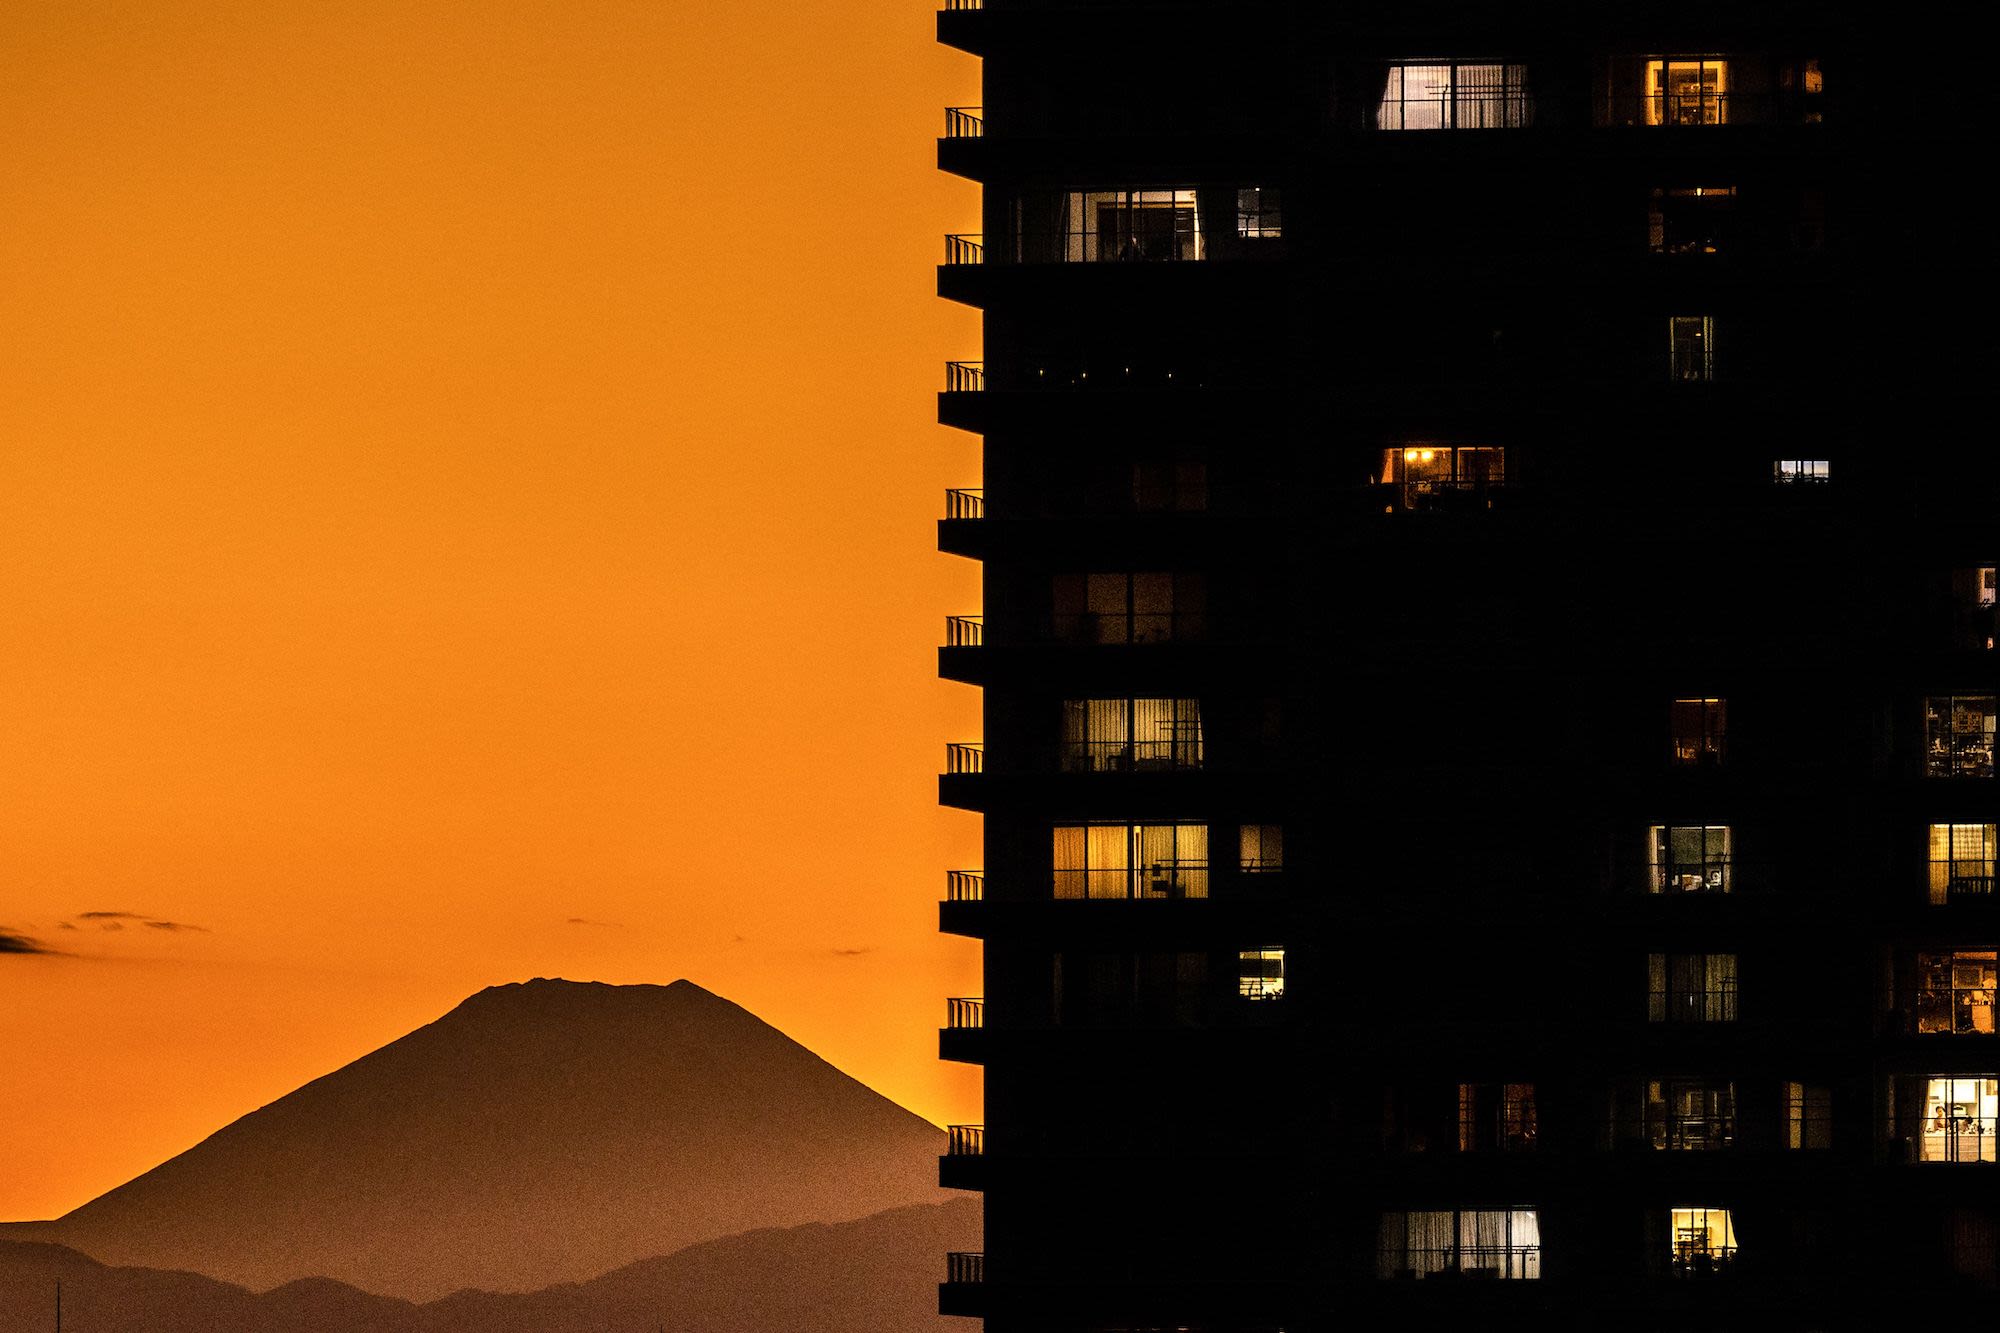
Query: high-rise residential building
(1488, 528)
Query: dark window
(1958, 736)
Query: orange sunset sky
(467, 489)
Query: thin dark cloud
(586, 921)
(12, 942)
(117, 920)
(852, 953)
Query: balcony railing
(964, 122)
(1702, 1262)
(1162, 881)
(1149, 756)
(965, 757)
(964, 504)
(961, 250)
(964, 631)
(964, 1015)
(964, 886)
(1717, 1005)
(965, 377)
(966, 1141)
(965, 1266)
(956, 6)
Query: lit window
(1430, 476)
(1114, 225)
(1259, 214)
(1958, 736)
(1496, 1116)
(1129, 608)
(1690, 858)
(1955, 992)
(1691, 221)
(1961, 1119)
(1691, 988)
(1260, 849)
(1691, 348)
(1808, 1117)
(1687, 92)
(1700, 730)
(1500, 1243)
(1260, 974)
(1961, 861)
(1801, 471)
(1130, 735)
(1454, 97)
(1690, 1115)
(1130, 860)
(1703, 1240)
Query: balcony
(960, 913)
(963, 1290)
(962, 275)
(960, 24)
(963, 1166)
(959, 150)
(959, 785)
(961, 531)
(963, 1037)
(958, 659)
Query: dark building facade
(1488, 532)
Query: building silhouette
(1488, 532)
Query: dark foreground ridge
(877, 1275)
(539, 1133)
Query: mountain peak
(542, 1131)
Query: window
(1691, 988)
(1260, 849)
(1973, 608)
(1174, 486)
(1700, 730)
(1130, 735)
(1690, 858)
(1496, 1117)
(1260, 974)
(1691, 348)
(1691, 221)
(1129, 608)
(1687, 92)
(1961, 1119)
(1428, 476)
(1119, 989)
(1955, 992)
(1958, 736)
(1501, 1243)
(1454, 97)
(1124, 225)
(1961, 861)
(1808, 1117)
(1801, 471)
(1703, 1240)
(1130, 860)
(1690, 1115)
(1259, 214)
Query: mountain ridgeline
(541, 1133)
(877, 1275)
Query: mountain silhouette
(542, 1132)
(876, 1275)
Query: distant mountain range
(878, 1275)
(541, 1133)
